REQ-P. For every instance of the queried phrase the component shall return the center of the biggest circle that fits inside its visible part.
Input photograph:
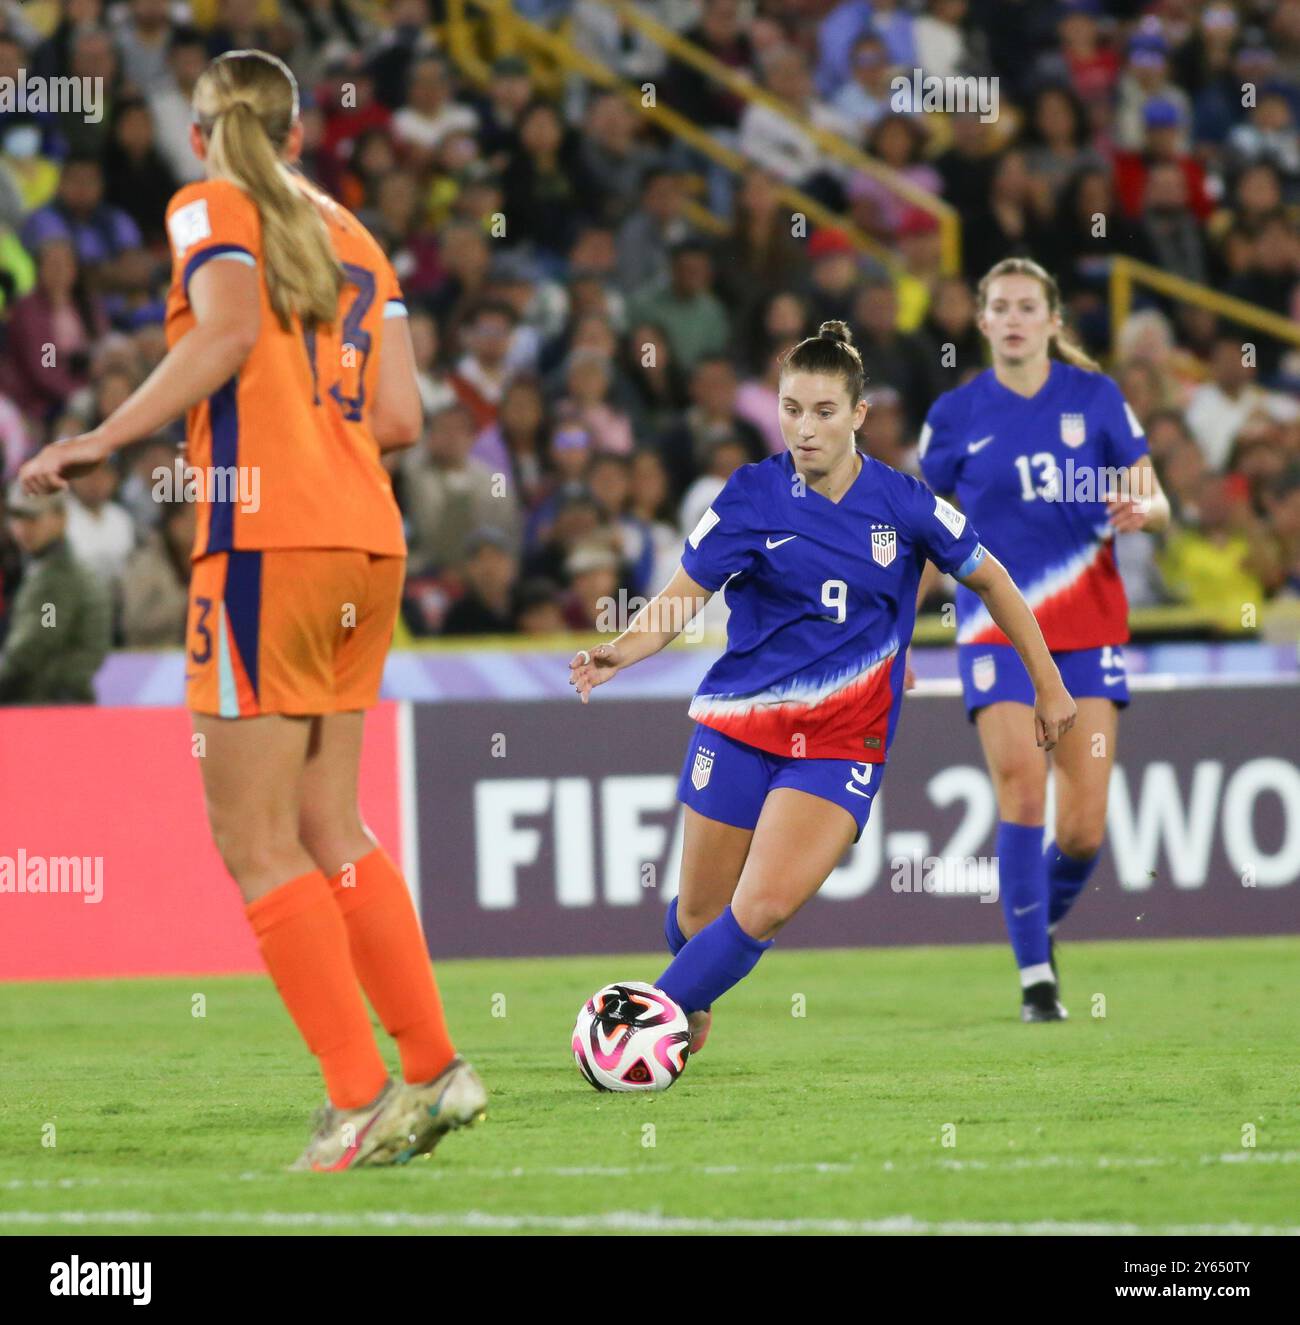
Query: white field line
(1103, 1163)
(617, 1221)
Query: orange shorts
(298, 631)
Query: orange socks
(304, 943)
(390, 958)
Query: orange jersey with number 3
(284, 452)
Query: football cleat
(371, 1136)
(1039, 1003)
(453, 1099)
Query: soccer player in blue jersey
(1047, 460)
(821, 550)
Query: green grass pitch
(907, 1098)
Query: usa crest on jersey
(1073, 430)
(884, 544)
(702, 770)
(984, 672)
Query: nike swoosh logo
(1112, 680)
(972, 447)
(1025, 910)
(857, 791)
(780, 541)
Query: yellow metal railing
(1125, 273)
(831, 144)
(512, 33)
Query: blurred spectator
(60, 625)
(940, 41)
(100, 533)
(140, 183)
(700, 99)
(1162, 141)
(651, 502)
(15, 442)
(1145, 81)
(155, 585)
(1218, 557)
(547, 187)
(688, 448)
(323, 31)
(864, 97)
(483, 372)
(902, 360)
(103, 235)
(833, 276)
(692, 316)
(648, 235)
(509, 93)
(1012, 221)
(897, 140)
(614, 157)
(446, 495)
(763, 255)
(169, 103)
(1218, 409)
(538, 607)
(955, 344)
(142, 34)
(431, 111)
(50, 333)
(593, 573)
(489, 571)
(93, 57)
(757, 399)
(658, 390)
(515, 443)
(1058, 133)
(407, 36)
(1171, 237)
(776, 142)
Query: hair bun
(836, 331)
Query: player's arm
(1054, 710)
(397, 415)
(226, 299)
(1145, 505)
(654, 627)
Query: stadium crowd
(592, 367)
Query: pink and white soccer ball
(631, 1036)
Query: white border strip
(620, 1220)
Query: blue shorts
(728, 781)
(993, 674)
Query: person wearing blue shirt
(819, 550)
(1047, 459)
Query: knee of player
(1079, 840)
(691, 920)
(253, 849)
(329, 839)
(760, 916)
(1022, 796)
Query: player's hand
(1054, 715)
(909, 676)
(53, 467)
(1129, 514)
(588, 669)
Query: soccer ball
(631, 1036)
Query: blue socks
(1067, 876)
(1022, 886)
(672, 930)
(719, 956)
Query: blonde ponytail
(1065, 346)
(245, 103)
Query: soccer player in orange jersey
(290, 351)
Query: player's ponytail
(1064, 345)
(830, 351)
(245, 103)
